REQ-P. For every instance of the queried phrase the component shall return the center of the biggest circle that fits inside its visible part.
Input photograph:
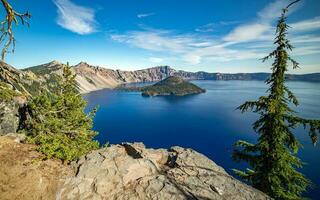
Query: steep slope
(91, 78)
(24, 83)
(15, 87)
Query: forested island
(172, 85)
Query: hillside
(91, 78)
(171, 86)
(22, 83)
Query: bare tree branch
(7, 36)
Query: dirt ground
(24, 175)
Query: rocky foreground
(126, 171)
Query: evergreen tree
(273, 159)
(58, 123)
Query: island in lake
(173, 85)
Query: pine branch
(292, 98)
(273, 159)
(254, 106)
(314, 126)
(240, 155)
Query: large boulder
(131, 171)
(9, 117)
(11, 114)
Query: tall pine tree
(273, 158)
(58, 123)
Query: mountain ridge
(91, 78)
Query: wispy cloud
(143, 15)
(155, 40)
(268, 13)
(306, 25)
(191, 48)
(246, 41)
(260, 28)
(76, 18)
(212, 27)
(249, 32)
(206, 28)
(232, 22)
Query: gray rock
(9, 117)
(131, 171)
(18, 138)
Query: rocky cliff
(15, 87)
(91, 78)
(124, 171)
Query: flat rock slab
(131, 171)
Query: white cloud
(200, 44)
(248, 32)
(261, 28)
(247, 41)
(272, 10)
(226, 23)
(221, 53)
(155, 60)
(143, 15)
(206, 28)
(78, 19)
(306, 50)
(155, 40)
(192, 59)
(305, 39)
(306, 25)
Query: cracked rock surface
(131, 171)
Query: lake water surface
(208, 123)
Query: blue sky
(192, 35)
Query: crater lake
(208, 123)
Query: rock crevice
(131, 171)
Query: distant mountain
(171, 86)
(91, 78)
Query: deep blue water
(208, 123)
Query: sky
(193, 35)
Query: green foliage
(6, 94)
(171, 86)
(90, 81)
(273, 158)
(107, 144)
(59, 125)
(43, 70)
